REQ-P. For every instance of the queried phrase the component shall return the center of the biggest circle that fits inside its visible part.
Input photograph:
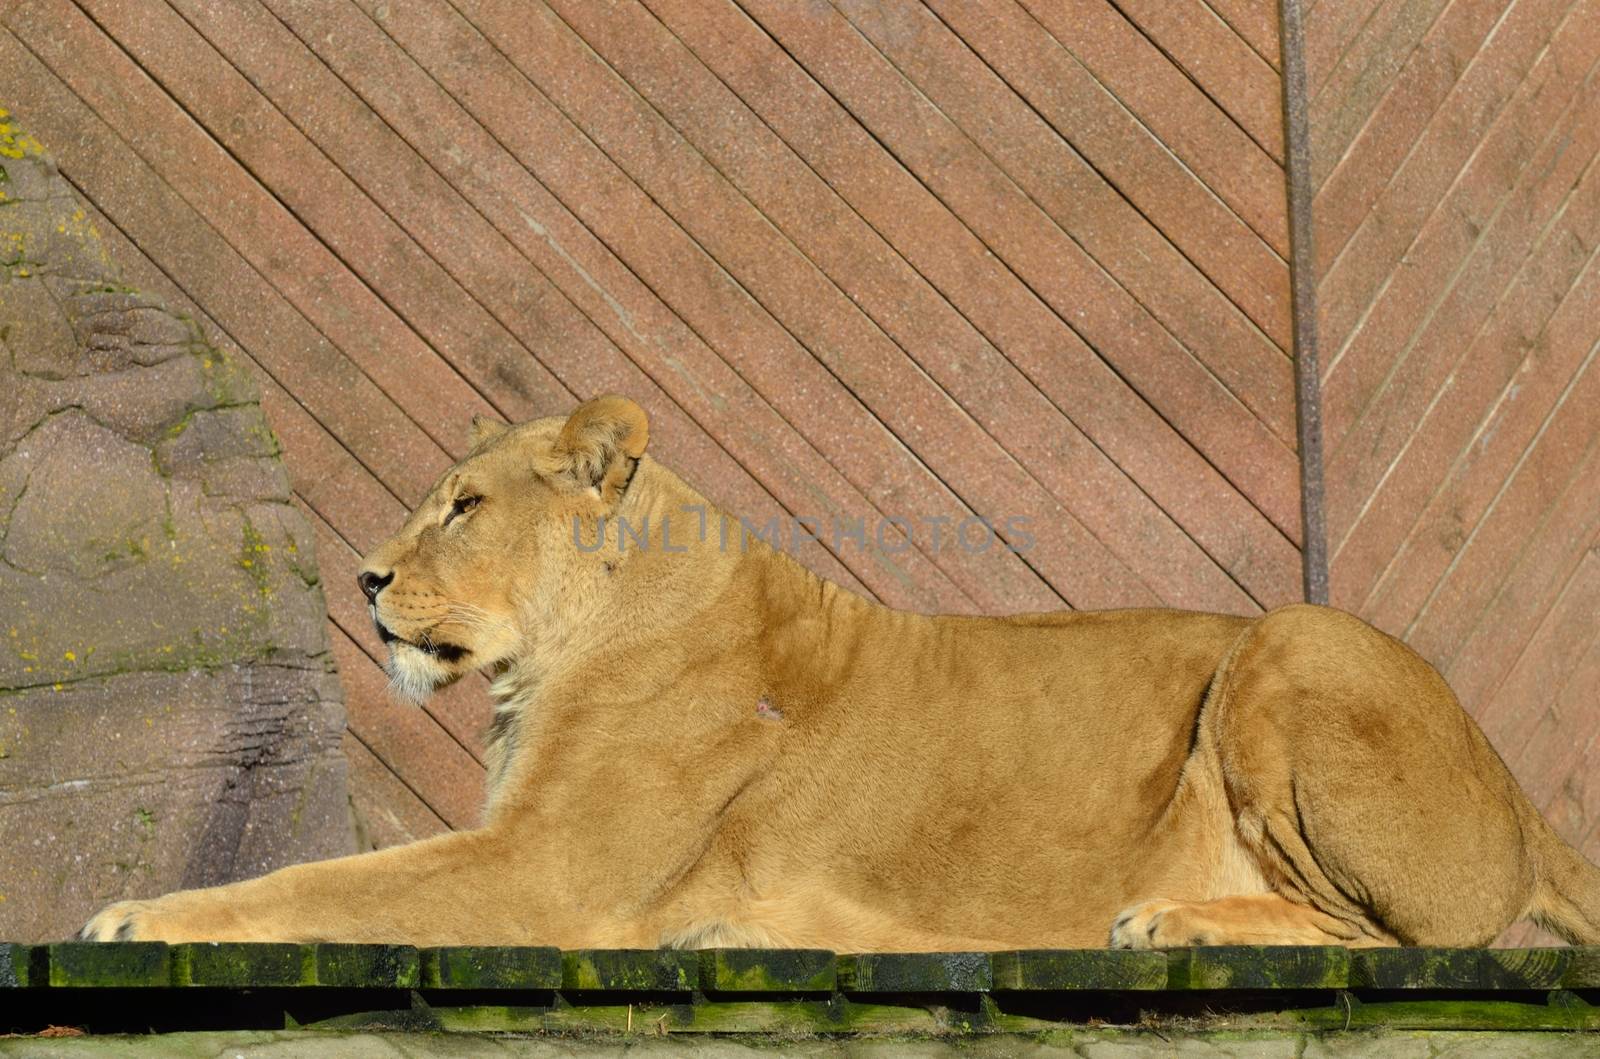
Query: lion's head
(492, 559)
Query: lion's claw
(1148, 926)
(117, 922)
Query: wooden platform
(792, 994)
(881, 258)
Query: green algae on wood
(368, 966)
(500, 1018)
(767, 970)
(643, 970)
(1428, 968)
(782, 1018)
(98, 964)
(1583, 972)
(1259, 967)
(491, 967)
(22, 966)
(242, 965)
(1431, 1014)
(915, 972)
(1080, 969)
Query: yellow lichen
(14, 143)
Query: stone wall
(169, 714)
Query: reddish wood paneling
(1457, 220)
(888, 259)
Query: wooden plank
(1373, 66)
(1544, 293)
(1207, 303)
(928, 328)
(488, 264)
(1435, 968)
(936, 242)
(1235, 441)
(1329, 30)
(1545, 391)
(1452, 161)
(1220, 156)
(491, 967)
(1035, 970)
(1547, 752)
(390, 812)
(1517, 708)
(1084, 113)
(1260, 967)
(1256, 22)
(915, 972)
(1373, 494)
(398, 89)
(348, 966)
(236, 965)
(260, 138)
(631, 970)
(1480, 657)
(1350, 181)
(767, 970)
(128, 964)
(1509, 192)
(844, 352)
(1220, 61)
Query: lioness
(697, 742)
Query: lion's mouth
(444, 652)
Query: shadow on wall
(169, 714)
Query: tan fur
(698, 744)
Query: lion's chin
(415, 674)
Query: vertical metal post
(1303, 288)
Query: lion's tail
(1566, 898)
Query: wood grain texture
(1457, 219)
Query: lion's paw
(123, 921)
(1155, 925)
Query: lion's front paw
(123, 921)
(1154, 925)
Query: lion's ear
(483, 429)
(600, 442)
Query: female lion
(699, 743)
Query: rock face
(169, 714)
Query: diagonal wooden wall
(871, 259)
(1457, 215)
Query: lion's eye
(462, 505)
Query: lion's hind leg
(1363, 790)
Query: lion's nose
(371, 583)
